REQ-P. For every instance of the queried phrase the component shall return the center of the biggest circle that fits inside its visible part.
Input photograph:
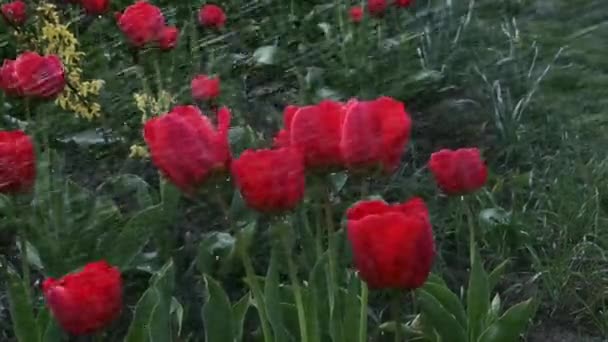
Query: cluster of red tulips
(393, 244)
(376, 8)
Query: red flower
(17, 162)
(141, 22)
(375, 132)
(356, 14)
(95, 7)
(393, 245)
(458, 172)
(39, 76)
(205, 87)
(86, 301)
(212, 16)
(404, 3)
(377, 7)
(316, 130)
(186, 147)
(14, 12)
(8, 79)
(270, 180)
(168, 38)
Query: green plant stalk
(472, 243)
(331, 248)
(297, 292)
(363, 313)
(257, 295)
(25, 266)
(250, 276)
(396, 313)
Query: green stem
(25, 266)
(295, 283)
(396, 313)
(159, 78)
(363, 313)
(331, 246)
(472, 243)
(257, 295)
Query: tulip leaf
(239, 310)
(214, 247)
(152, 317)
(478, 297)
(273, 301)
(134, 236)
(320, 293)
(218, 317)
(440, 318)
(496, 274)
(127, 185)
(510, 325)
(449, 300)
(265, 55)
(22, 313)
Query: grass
(526, 80)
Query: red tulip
(377, 7)
(87, 301)
(458, 172)
(168, 38)
(404, 3)
(8, 79)
(186, 147)
(39, 76)
(17, 162)
(212, 16)
(95, 7)
(375, 133)
(270, 180)
(316, 130)
(205, 88)
(393, 245)
(356, 14)
(283, 136)
(141, 22)
(14, 12)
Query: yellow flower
(150, 106)
(138, 152)
(56, 38)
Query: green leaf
(152, 317)
(273, 301)
(265, 55)
(449, 300)
(239, 310)
(510, 325)
(218, 318)
(126, 185)
(134, 236)
(352, 308)
(319, 292)
(213, 248)
(478, 297)
(52, 332)
(440, 319)
(22, 313)
(435, 279)
(177, 309)
(496, 274)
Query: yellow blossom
(56, 38)
(138, 152)
(151, 106)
